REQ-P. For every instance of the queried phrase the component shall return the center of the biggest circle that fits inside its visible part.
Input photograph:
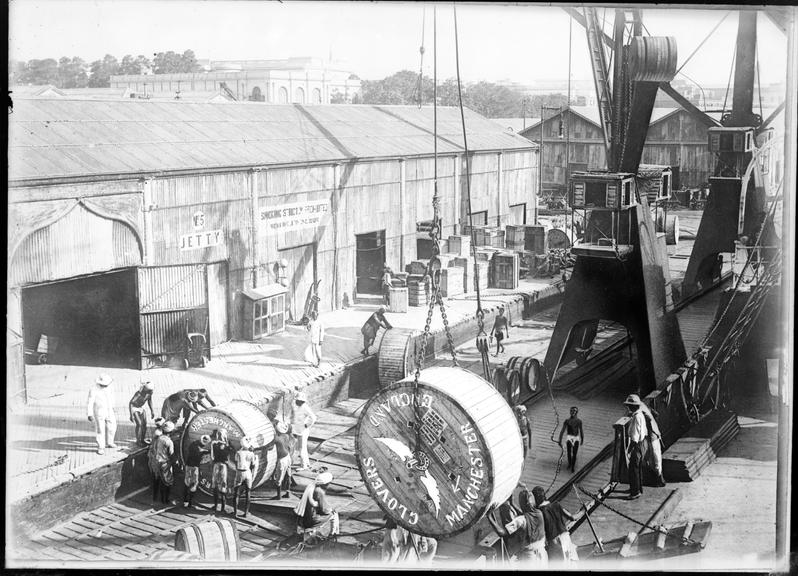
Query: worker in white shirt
(316, 329)
(302, 419)
(100, 410)
(638, 432)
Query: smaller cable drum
(438, 467)
(239, 418)
(396, 358)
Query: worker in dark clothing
(500, 330)
(196, 451)
(533, 535)
(165, 460)
(372, 326)
(138, 415)
(221, 453)
(185, 402)
(555, 519)
(152, 462)
(499, 519)
(574, 436)
(638, 432)
(525, 427)
(282, 472)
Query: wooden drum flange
(440, 477)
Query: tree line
(489, 99)
(76, 73)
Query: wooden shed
(178, 207)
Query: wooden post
(254, 223)
(662, 534)
(587, 517)
(626, 549)
(499, 180)
(147, 207)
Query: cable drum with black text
(239, 418)
(465, 456)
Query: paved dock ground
(50, 440)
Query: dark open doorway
(369, 262)
(87, 321)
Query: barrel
(211, 540)
(652, 58)
(397, 299)
(440, 477)
(529, 372)
(396, 357)
(557, 239)
(239, 418)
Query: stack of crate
(514, 237)
(505, 270)
(460, 245)
(417, 267)
(481, 275)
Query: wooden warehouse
(133, 222)
(675, 138)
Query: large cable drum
(440, 477)
(557, 239)
(652, 58)
(239, 418)
(396, 357)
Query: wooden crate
(481, 276)
(494, 238)
(505, 271)
(460, 245)
(417, 267)
(451, 281)
(535, 239)
(415, 293)
(397, 299)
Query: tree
(101, 71)
(167, 63)
(72, 73)
(41, 72)
(17, 72)
(188, 62)
(400, 88)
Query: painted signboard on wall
(294, 216)
(198, 240)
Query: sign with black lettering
(199, 240)
(294, 216)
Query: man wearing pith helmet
(100, 410)
(634, 445)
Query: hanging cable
(728, 84)
(702, 42)
(482, 338)
(758, 81)
(420, 83)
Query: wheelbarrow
(194, 354)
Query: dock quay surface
(109, 520)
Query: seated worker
(533, 533)
(399, 545)
(184, 402)
(313, 511)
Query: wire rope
(702, 42)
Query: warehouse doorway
(302, 278)
(85, 321)
(369, 262)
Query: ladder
(226, 89)
(598, 64)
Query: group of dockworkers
(312, 510)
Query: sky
(524, 43)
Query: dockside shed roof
(64, 138)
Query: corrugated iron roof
(57, 138)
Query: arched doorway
(257, 95)
(282, 95)
(299, 96)
(77, 280)
(316, 96)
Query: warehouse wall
(240, 218)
